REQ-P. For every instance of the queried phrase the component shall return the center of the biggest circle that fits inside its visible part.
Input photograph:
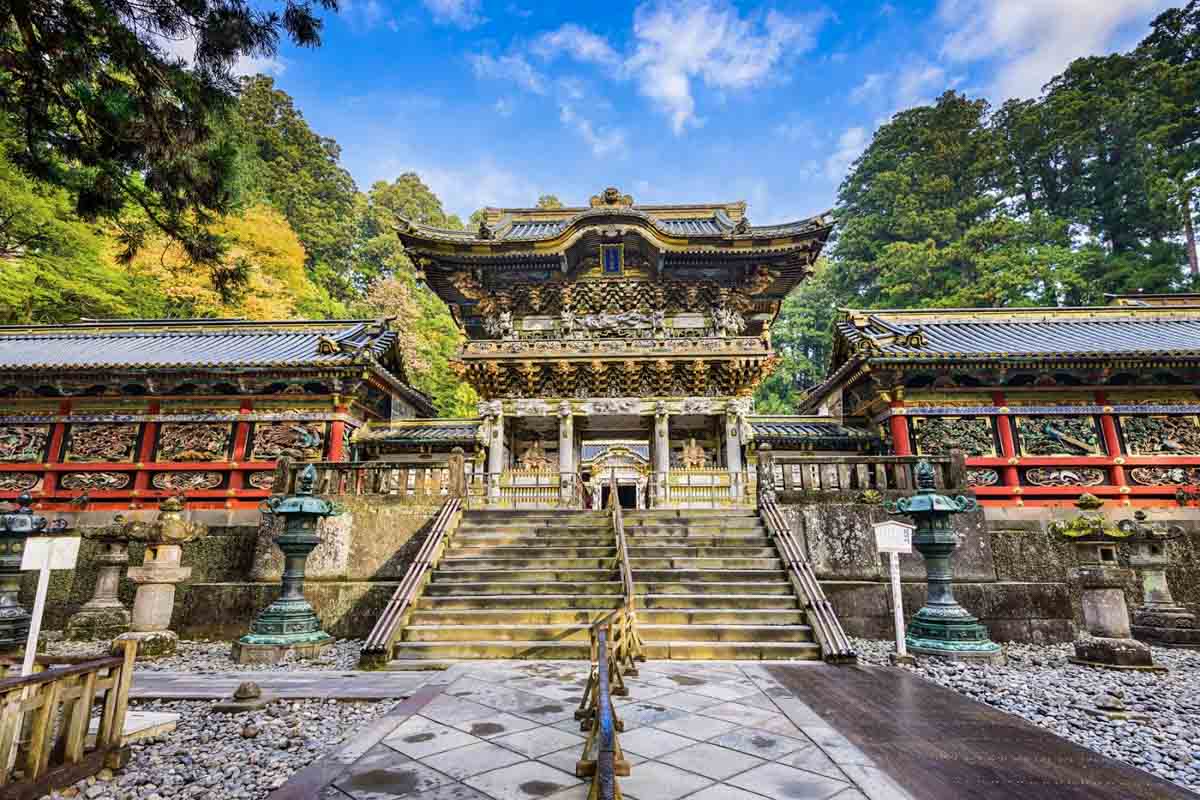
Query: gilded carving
(1165, 476)
(534, 457)
(302, 441)
(19, 481)
(940, 435)
(107, 442)
(23, 442)
(94, 480)
(693, 456)
(982, 477)
(1053, 476)
(194, 441)
(261, 480)
(1167, 435)
(1059, 436)
(186, 481)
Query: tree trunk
(1189, 228)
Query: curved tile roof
(811, 434)
(162, 344)
(415, 432)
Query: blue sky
(498, 101)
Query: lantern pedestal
(942, 627)
(1160, 620)
(289, 628)
(15, 527)
(104, 616)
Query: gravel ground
(214, 756)
(205, 657)
(1039, 684)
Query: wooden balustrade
(426, 483)
(709, 487)
(602, 759)
(377, 649)
(46, 715)
(628, 641)
(852, 474)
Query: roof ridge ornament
(611, 197)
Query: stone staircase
(527, 584)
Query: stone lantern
(15, 528)
(104, 616)
(942, 627)
(158, 576)
(1159, 619)
(1107, 642)
(289, 626)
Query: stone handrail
(44, 718)
(855, 473)
(419, 482)
(377, 649)
(835, 644)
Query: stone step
(511, 540)
(723, 633)
(709, 575)
(411, 651)
(523, 575)
(698, 540)
(691, 513)
(451, 564)
(721, 551)
(678, 586)
(638, 563)
(730, 525)
(721, 616)
(733, 651)
(539, 530)
(517, 616)
(439, 588)
(542, 601)
(691, 602)
(459, 551)
(496, 633)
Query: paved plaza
(505, 730)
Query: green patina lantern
(942, 627)
(15, 528)
(289, 626)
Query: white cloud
(185, 50)
(850, 146)
(513, 67)
(679, 41)
(460, 13)
(463, 189)
(871, 87)
(1033, 40)
(577, 43)
(602, 142)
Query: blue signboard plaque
(612, 258)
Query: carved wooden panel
(1059, 436)
(104, 442)
(1173, 435)
(194, 441)
(23, 442)
(940, 435)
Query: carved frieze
(261, 480)
(110, 443)
(1165, 476)
(301, 441)
(982, 477)
(1059, 436)
(1075, 476)
(186, 481)
(23, 442)
(95, 480)
(19, 481)
(1162, 435)
(626, 405)
(940, 435)
(194, 441)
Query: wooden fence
(851, 474)
(46, 715)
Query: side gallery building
(616, 348)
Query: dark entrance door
(626, 496)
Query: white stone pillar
(733, 453)
(662, 452)
(566, 453)
(494, 414)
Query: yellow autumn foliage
(263, 251)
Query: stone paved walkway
(506, 731)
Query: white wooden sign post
(44, 553)
(894, 538)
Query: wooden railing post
(956, 475)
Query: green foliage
(291, 168)
(802, 337)
(549, 201)
(107, 113)
(1089, 189)
(53, 266)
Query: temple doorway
(623, 461)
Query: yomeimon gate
(617, 343)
